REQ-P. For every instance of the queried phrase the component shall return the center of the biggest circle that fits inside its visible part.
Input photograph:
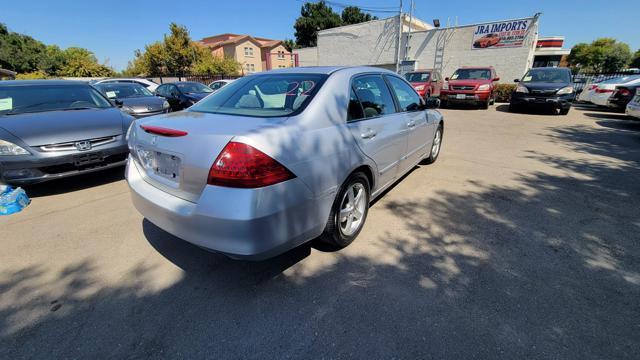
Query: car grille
(85, 162)
(462, 87)
(542, 93)
(71, 146)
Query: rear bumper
(618, 104)
(32, 169)
(558, 102)
(252, 224)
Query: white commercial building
(508, 45)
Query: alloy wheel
(352, 209)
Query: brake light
(592, 87)
(624, 92)
(243, 166)
(602, 91)
(162, 131)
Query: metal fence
(201, 78)
(582, 80)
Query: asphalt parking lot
(522, 241)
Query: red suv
(470, 85)
(427, 82)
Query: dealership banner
(505, 34)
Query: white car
(605, 89)
(150, 85)
(633, 108)
(216, 85)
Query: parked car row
(548, 87)
(615, 94)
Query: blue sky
(115, 28)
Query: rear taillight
(243, 166)
(602, 91)
(624, 92)
(592, 87)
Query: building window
(280, 54)
(250, 68)
(248, 51)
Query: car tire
(485, 104)
(564, 111)
(443, 104)
(340, 231)
(435, 147)
(514, 108)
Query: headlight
(419, 87)
(522, 89)
(7, 148)
(565, 90)
(484, 87)
(165, 105)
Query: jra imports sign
(507, 34)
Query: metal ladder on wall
(443, 36)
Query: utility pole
(407, 46)
(399, 37)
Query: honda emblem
(83, 145)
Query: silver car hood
(54, 127)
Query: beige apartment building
(255, 54)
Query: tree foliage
(602, 55)
(26, 55)
(635, 63)
(320, 16)
(178, 54)
(353, 15)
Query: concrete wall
(307, 56)
(510, 63)
(369, 43)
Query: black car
(183, 94)
(544, 87)
(51, 129)
(622, 96)
(134, 99)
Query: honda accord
(276, 159)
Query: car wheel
(348, 213)
(435, 146)
(514, 108)
(564, 111)
(485, 104)
(492, 101)
(443, 104)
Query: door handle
(368, 134)
(411, 124)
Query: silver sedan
(276, 159)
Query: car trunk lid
(175, 152)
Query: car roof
(327, 70)
(41, 82)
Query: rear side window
(407, 98)
(374, 95)
(264, 95)
(355, 111)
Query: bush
(35, 75)
(503, 92)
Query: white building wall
(307, 56)
(510, 63)
(370, 43)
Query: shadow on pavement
(75, 183)
(608, 115)
(548, 267)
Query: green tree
(179, 51)
(313, 18)
(602, 55)
(635, 63)
(80, 62)
(207, 63)
(353, 15)
(290, 44)
(18, 52)
(53, 60)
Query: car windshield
(417, 76)
(193, 87)
(263, 95)
(38, 98)
(471, 74)
(123, 91)
(547, 75)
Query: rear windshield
(123, 91)
(417, 76)
(547, 75)
(266, 95)
(38, 98)
(471, 74)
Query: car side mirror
(432, 103)
(516, 80)
(496, 79)
(174, 94)
(446, 79)
(117, 103)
